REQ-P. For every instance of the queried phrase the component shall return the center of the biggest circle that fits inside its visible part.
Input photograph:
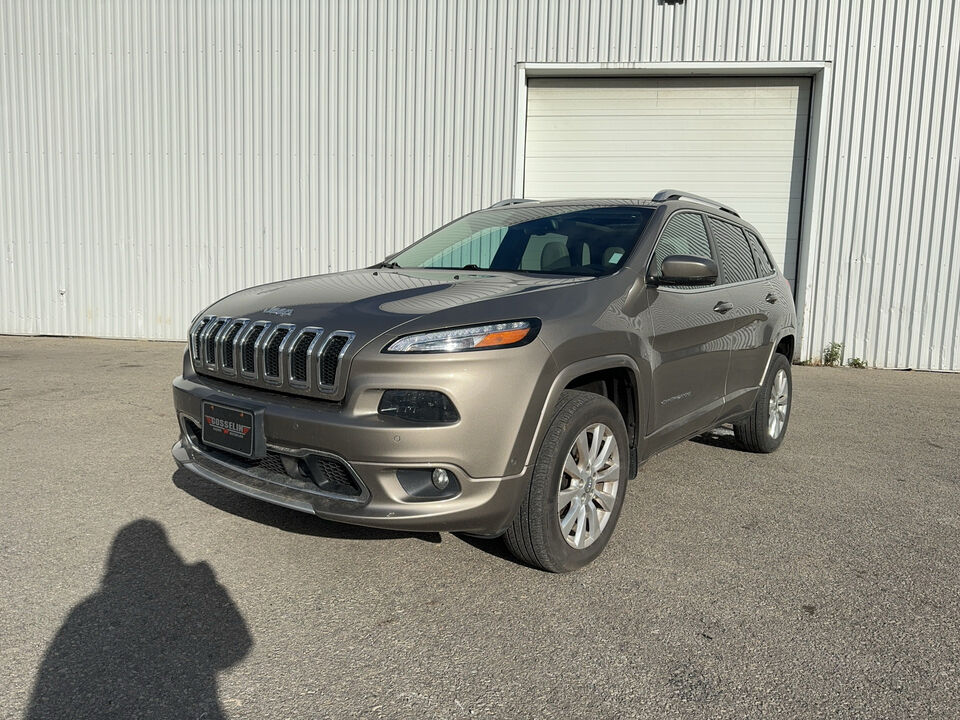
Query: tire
(536, 537)
(756, 432)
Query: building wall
(157, 154)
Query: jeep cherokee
(505, 375)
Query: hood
(371, 302)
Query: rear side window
(684, 234)
(736, 257)
(764, 264)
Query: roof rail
(677, 194)
(512, 201)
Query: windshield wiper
(389, 265)
(471, 266)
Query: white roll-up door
(739, 140)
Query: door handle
(771, 298)
(722, 307)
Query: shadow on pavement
(148, 643)
(282, 518)
(719, 437)
(492, 546)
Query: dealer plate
(228, 428)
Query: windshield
(559, 240)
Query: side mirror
(686, 270)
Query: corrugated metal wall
(157, 154)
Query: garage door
(738, 140)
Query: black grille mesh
(228, 345)
(298, 357)
(330, 360)
(271, 358)
(331, 475)
(210, 346)
(249, 344)
(272, 463)
(196, 337)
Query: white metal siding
(740, 140)
(157, 154)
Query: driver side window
(684, 234)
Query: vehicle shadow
(720, 437)
(492, 546)
(282, 518)
(148, 643)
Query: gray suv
(505, 375)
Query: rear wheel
(763, 430)
(578, 485)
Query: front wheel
(578, 485)
(763, 429)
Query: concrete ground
(820, 581)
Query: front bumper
(482, 506)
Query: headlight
(478, 337)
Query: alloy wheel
(779, 399)
(588, 486)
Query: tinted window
(477, 250)
(736, 257)
(684, 234)
(764, 264)
(553, 239)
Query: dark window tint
(736, 257)
(764, 264)
(684, 234)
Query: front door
(691, 344)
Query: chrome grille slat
(272, 353)
(209, 341)
(227, 343)
(330, 358)
(301, 353)
(263, 353)
(195, 332)
(249, 351)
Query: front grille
(228, 339)
(271, 357)
(331, 359)
(248, 358)
(298, 356)
(195, 336)
(210, 346)
(300, 360)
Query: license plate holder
(232, 429)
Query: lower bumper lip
(483, 507)
(244, 484)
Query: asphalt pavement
(820, 581)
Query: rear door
(750, 330)
(690, 345)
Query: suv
(505, 375)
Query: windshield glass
(559, 240)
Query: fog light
(441, 479)
(426, 406)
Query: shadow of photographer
(148, 643)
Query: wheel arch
(616, 377)
(784, 343)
